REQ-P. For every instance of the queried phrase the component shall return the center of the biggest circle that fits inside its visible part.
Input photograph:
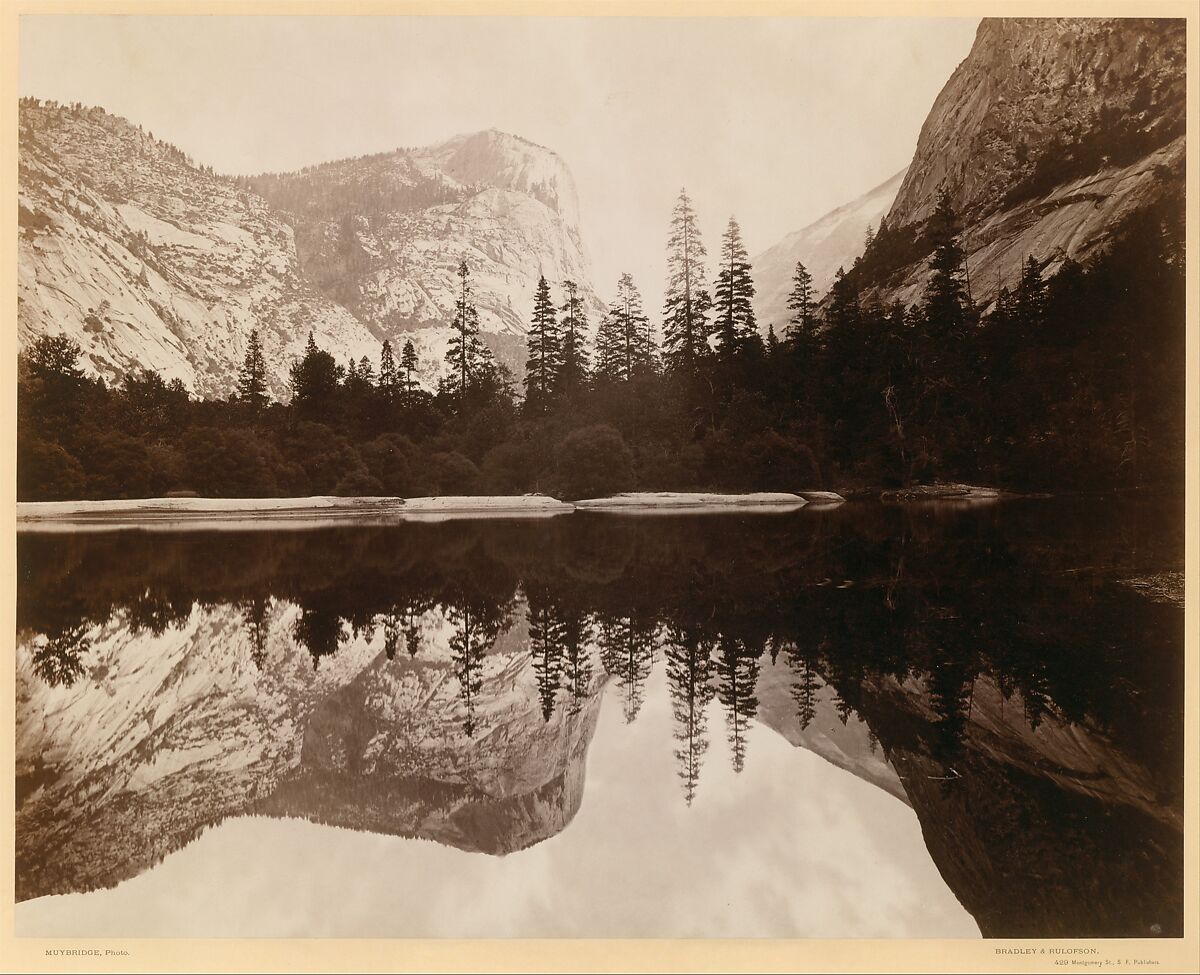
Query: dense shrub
(594, 461)
(46, 472)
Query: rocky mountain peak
(507, 161)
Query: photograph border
(262, 955)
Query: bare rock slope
(1049, 134)
(150, 260)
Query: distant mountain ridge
(835, 240)
(151, 261)
(383, 235)
(148, 261)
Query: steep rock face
(833, 241)
(1046, 137)
(848, 744)
(509, 162)
(1032, 85)
(149, 261)
(166, 735)
(1053, 830)
(383, 235)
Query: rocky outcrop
(1030, 89)
(849, 744)
(391, 754)
(1041, 830)
(1049, 134)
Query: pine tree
(735, 324)
(254, 616)
(576, 631)
(59, 660)
(946, 300)
(609, 364)
(1030, 305)
(387, 372)
(804, 687)
(542, 365)
(943, 383)
(842, 312)
(627, 654)
(252, 380)
(546, 648)
(468, 644)
(55, 359)
(366, 373)
(845, 348)
(573, 361)
(408, 362)
(685, 325)
(476, 627)
(636, 351)
(802, 302)
(737, 677)
(315, 378)
(465, 353)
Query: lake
(929, 720)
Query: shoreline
(687, 501)
(241, 514)
(167, 514)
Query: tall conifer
(685, 315)
(252, 380)
(735, 323)
(542, 364)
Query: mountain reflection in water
(446, 681)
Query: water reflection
(444, 681)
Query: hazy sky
(774, 120)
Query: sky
(773, 120)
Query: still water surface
(869, 721)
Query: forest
(1071, 380)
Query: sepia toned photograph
(600, 477)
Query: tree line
(1068, 380)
